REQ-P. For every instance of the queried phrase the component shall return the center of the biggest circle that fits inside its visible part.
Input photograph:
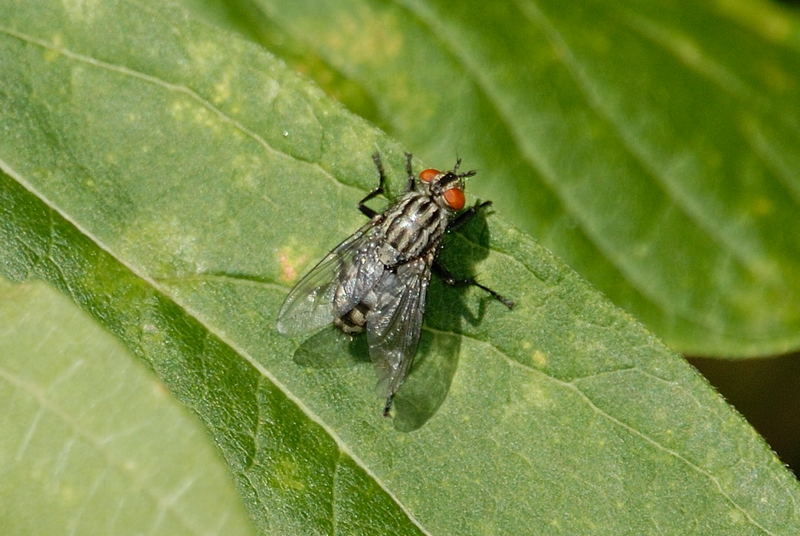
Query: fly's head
(446, 187)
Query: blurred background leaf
(652, 145)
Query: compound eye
(454, 197)
(428, 175)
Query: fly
(377, 279)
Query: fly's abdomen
(411, 228)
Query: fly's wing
(334, 286)
(393, 325)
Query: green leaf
(91, 442)
(174, 180)
(653, 146)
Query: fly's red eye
(428, 175)
(454, 197)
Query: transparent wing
(334, 286)
(393, 325)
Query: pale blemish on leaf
(248, 171)
(52, 54)
(67, 494)
(178, 107)
(643, 249)
(776, 77)
(159, 390)
(539, 359)
(599, 41)
(536, 396)
(287, 475)
(380, 36)
(80, 10)
(736, 516)
(203, 54)
(185, 110)
(289, 261)
(762, 206)
(222, 89)
(203, 116)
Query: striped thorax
(413, 226)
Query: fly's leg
(467, 215)
(387, 407)
(365, 210)
(447, 277)
(411, 185)
(453, 281)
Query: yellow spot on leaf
(51, 54)
(80, 10)
(222, 89)
(762, 206)
(159, 390)
(776, 77)
(288, 261)
(736, 516)
(539, 359)
(536, 396)
(287, 475)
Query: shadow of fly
(376, 280)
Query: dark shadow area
(330, 348)
(436, 360)
(766, 392)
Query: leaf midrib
(208, 327)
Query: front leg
(365, 210)
(467, 215)
(411, 184)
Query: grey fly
(376, 280)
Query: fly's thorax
(411, 227)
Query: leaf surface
(91, 442)
(175, 180)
